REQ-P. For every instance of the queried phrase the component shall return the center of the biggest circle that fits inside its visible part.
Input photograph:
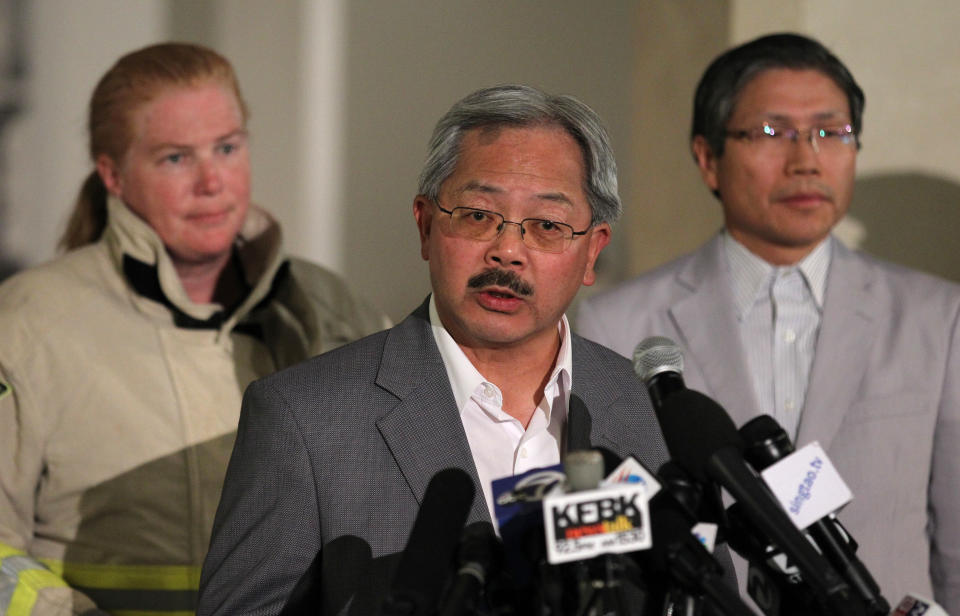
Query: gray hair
(517, 105)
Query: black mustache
(501, 278)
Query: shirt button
(523, 452)
(790, 335)
(488, 391)
(788, 404)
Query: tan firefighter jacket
(119, 401)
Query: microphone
(678, 564)
(578, 424)
(658, 362)
(584, 470)
(586, 519)
(767, 443)
(554, 525)
(703, 440)
(597, 577)
(426, 562)
(677, 553)
(479, 554)
(678, 568)
(518, 510)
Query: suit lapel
(846, 333)
(708, 327)
(611, 426)
(592, 393)
(423, 431)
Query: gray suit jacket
(333, 457)
(883, 398)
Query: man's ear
(109, 173)
(599, 238)
(423, 213)
(706, 161)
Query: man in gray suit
(775, 316)
(333, 456)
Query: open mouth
(500, 293)
(499, 300)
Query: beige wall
(672, 212)
(407, 62)
(69, 45)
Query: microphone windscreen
(428, 559)
(479, 544)
(584, 470)
(694, 428)
(765, 442)
(654, 355)
(670, 524)
(443, 512)
(579, 424)
(759, 429)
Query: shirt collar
(751, 275)
(465, 378)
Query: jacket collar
(423, 431)
(706, 321)
(129, 238)
(848, 329)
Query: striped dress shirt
(779, 310)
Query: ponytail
(89, 216)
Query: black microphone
(773, 582)
(480, 553)
(578, 424)
(428, 559)
(703, 440)
(658, 362)
(677, 552)
(677, 569)
(766, 443)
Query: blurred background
(344, 95)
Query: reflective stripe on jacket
(22, 581)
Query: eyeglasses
(827, 140)
(537, 233)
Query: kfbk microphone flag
(612, 518)
(581, 525)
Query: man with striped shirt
(776, 317)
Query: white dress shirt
(779, 310)
(499, 444)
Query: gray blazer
(883, 398)
(333, 456)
